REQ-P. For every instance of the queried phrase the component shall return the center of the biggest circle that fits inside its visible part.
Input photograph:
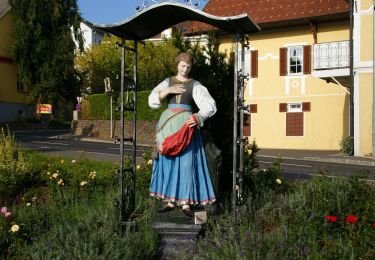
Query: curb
(320, 159)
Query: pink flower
(351, 219)
(4, 210)
(331, 218)
(7, 214)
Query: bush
(323, 218)
(14, 169)
(96, 107)
(71, 213)
(346, 145)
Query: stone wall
(101, 129)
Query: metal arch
(147, 3)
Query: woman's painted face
(183, 68)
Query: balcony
(331, 61)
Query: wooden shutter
(6, 60)
(283, 61)
(247, 125)
(253, 108)
(294, 124)
(283, 107)
(254, 64)
(307, 59)
(306, 106)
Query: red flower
(351, 219)
(373, 224)
(331, 218)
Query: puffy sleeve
(204, 101)
(153, 99)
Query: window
(295, 117)
(295, 59)
(294, 107)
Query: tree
(44, 49)
(155, 63)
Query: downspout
(373, 79)
(351, 97)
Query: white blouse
(203, 99)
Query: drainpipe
(373, 80)
(351, 97)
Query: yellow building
(299, 89)
(363, 78)
(13, 98)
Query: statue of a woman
(180, 174)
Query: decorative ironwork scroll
(147, 3)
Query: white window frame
(290, 49)
(294, 107)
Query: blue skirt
(185, 178)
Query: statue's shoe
(188, 212)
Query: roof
(156, 18)
(4, 7)
(276, 13)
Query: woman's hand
(175, 89)
(191, 121)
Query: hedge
(96, 107)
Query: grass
(292, 224)
(73, 221)
(64, 209)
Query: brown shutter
(283, 61)
(294, 124)
(307, 59)
(6, 60)
(283, 107)
(306, 106)
(253, 108)
(254, 64)
(247, 125)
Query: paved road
(43, 141)
(292, 168)
(301, 169)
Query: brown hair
(185, 56)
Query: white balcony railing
(331, 55)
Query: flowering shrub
(14, 169)
(321, 218)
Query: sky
(110, 11)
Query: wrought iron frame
(147, 3)
(126, 177)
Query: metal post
(110, 108)
(351, 97)
(241, 105)
(121, 181)
(373, 79)
(135, 70)
(235, 130)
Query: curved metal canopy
(156, 18)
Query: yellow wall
(327, 122)
(365, 115)
(5, 34)
(366, 38)
(8, 74)
(366, 4)
(365, 79)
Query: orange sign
(44, 109)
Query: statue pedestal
(178, 233)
